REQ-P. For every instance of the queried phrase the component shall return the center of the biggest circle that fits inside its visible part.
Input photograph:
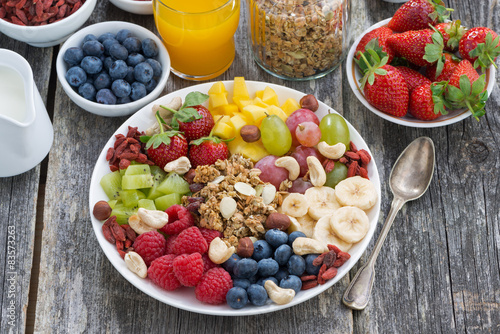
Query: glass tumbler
(198, 35)
(299, 39)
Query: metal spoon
(410, 178)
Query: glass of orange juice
(198, 35)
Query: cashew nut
(138, 225)
(227, 207)
(331, 151)
(180, 166)
(154, 218)
(317, 173)
(218, 252)
(291, 165)
(136, 264)
(304, 246)
(279, 295)
(174, 104)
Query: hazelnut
(278, 220)
(310, 102)
(102, 210)
(250, 133)
(245, 247)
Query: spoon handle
(358, 292)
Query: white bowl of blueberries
(113, 68)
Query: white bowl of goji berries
(141, 7)
(52, 23)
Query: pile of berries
(113, 69)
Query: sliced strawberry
(452, 33)
(480, 46)
(381, 35)
(418, 14)
(450, 63)
(425, 103)
(413, 78)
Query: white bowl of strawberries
(418, 84)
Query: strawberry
(207, 150)
(420, 47)
(381, 35)
(450, 63)
(384, 86)
(452, 33)
(426, 102)
(165, 147)
(466, 89)
(480, 46)
(412, 78)
(418, 14)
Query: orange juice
(198, 35)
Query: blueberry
(106, 36)
(121, 88)
(282, 254)
(102, 80)
(143, 72)
(73, 56)
(93, 48)
(231, 262)
(87, 91)
(149, 48)
(237, 297)
(261, 250)
(118, 51)
(150, 86)
(310, 268)
(134, 59)
(123, 100)
(89, 37)
(291, 282)
(276, 237)
(296, 265)
(108, 43)
(253, 279)
(262, 281)
(123, 35)
(257, 294)
(118, 70)
(294, 235)
(241, 282)
(267, 267)
(105, 96)
(138, 91)
(282, 273)
(245, 268)
(91, 64)
(133, 44)
(107, 62)
(130, 76)
(156, 66)
(76, 76)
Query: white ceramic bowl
(50, 34)
(118, 109)
(453, 116)
(134, 6)
(184, 298)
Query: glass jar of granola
(299, 39)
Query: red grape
(297, 117)
(308, 134)
(301, 153)
(300, 186)
(271, 173)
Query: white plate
(354, 75)
(185, 297)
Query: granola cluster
(297, 38)
(219, 181)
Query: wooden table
(438, 271)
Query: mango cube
(216, 100)
(228, 109)
(217, 88)
(238, 121)
(290, 106)
(223, 130)
(253, 151)
(240, 88)
(259, 94)
(258, 102)
(273, 110)
(222, 119)
(242, 102)
(270, 97)
(254, 114)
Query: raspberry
(149, 246)
(188, 268)
(170, 242)
(179, 219)
(210, 235)
(189, 241)
(161, 273)
(213, 286)
(207, 263)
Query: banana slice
(307, 224)
(356, 191)
(322, 202)
(323, 232)
(295, 205)
(350, 224)
(294, 226)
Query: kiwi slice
(137, 181)
(112, 184)
(122, 213)
(166, 201)
(138, 169)
(146, 204)
(174, 184)
(130, 198)
(158, 176)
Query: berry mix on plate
(248, 201)
(113, 68)
(423, 65)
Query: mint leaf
(194, 99)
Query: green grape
(338, 174)
(334, 130)
(275, 135)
